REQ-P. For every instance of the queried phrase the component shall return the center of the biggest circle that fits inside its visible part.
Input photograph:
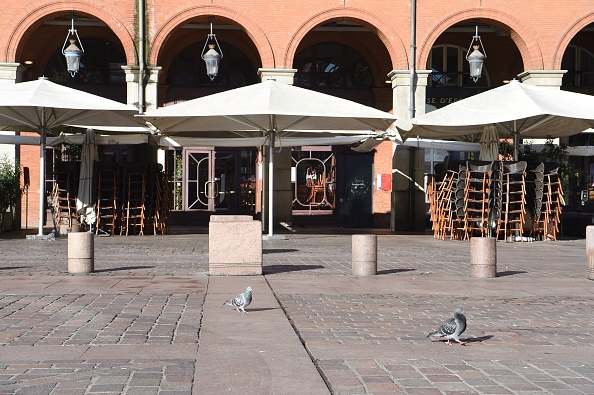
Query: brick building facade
(356, 49)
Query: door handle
(206, 189)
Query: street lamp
(476, 58)
(212, 58)
(72, 52)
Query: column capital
(284, 76)
(546, 78)
(10, 73)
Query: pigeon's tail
(434, 334)
(228, 303)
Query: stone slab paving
(150, 319)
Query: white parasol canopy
(41, 105)
(272, 110)
(517, 110)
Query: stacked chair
(161, 218)
(134, 198)
(445, 203)
(534, 198)
(107, 199)
(63, 199)
(514, 200)
(506, 200)
(552, 202)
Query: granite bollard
(81, 252)
(364, 255)
(483, 257)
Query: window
(579, 63)
(450, 68)
(332, 65)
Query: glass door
(224, 181)
(199, 181)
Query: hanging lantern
(476, 58)
(212, 58)
(72, 53)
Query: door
(211, 181)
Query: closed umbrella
(489, 144)
(85, 201)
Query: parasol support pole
(271, 185)
(516, 141)
(270, 235)
(42, 179)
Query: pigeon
(452, 328)
(241, 301)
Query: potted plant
(10, 190)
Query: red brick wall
(536, 33)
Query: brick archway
(14, 39)
(395, 47)
(253, 30)
(566, 38)
(522, 36)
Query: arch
(566, 38)
(529, 49)
(34, 18)
(252, 29)
(393, 43)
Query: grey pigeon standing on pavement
(241, 301)
(452, 328)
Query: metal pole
(411, 150)
(42, 176)
(141, 65)
(413, 43)
(516, 141)
(271, 184)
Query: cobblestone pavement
(142, 323)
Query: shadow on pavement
(117, 269)
(510, 273)
(278, 250)
(272, 269)
(390, 271)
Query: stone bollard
(81, 252)
(483, 257)
(364, 255)
(590, 252)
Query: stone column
(283, 194)
(284, 76)
(151, 90)
(10, 73)
(132, 74)
(546, 78)
(408, 164)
